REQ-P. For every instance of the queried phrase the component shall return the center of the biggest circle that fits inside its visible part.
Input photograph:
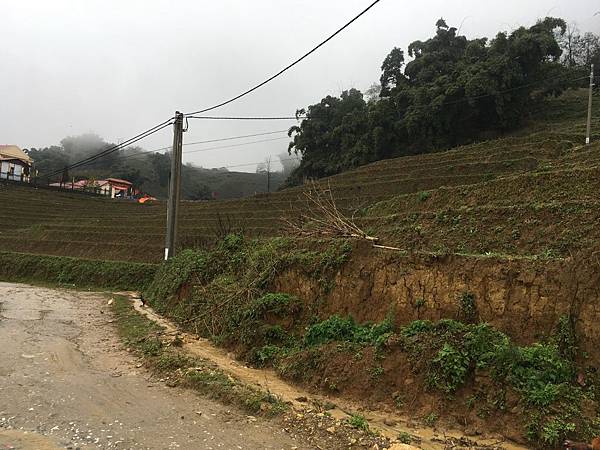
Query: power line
(463, 100)
(259, 162)
(209, 141)
(168, 122)
(247, 118)
(236, 137)
(236, 145)
(237, 97)
(146, 152)
(113, 148)
(285, 69)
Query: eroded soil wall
(522, 297)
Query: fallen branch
(321, 217)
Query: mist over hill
(149, 172)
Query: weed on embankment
(145, 338)
(539, 393)
(75, 272)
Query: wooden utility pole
(174, 187)
(269, 175)
(588, 134)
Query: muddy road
(67, 382)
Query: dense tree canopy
(451, 91)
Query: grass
(145, 338)
(75, 272)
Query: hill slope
(532, 193)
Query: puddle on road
(18, 440)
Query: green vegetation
(430, 419)
(75, 272)
(346, 330)
(454, 90)
(451, 354)
(145, 338)
(224, 293)
(405, 437)
(359, 422)
(543, 179)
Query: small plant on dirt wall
(420, 303)
(430, 419)
(424, 195)
(449, 369)
(359, 422)
(376, 372)
(405, 438)
(468, 307)
(566, 338)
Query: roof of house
(14, 152)
(118, 180)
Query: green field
(532, 193)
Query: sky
(119, 67)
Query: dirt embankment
(524, 298)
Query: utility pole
(174, 187)
(588, 134)
(269, 175)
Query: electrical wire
(168, 122)
(146, 152)
(210, 141)
(259, 162)
(236, 145)
(289, 66)
(455, 102)
(247, 118)
(113, 148)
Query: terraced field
(530, 194)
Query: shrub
(449, 369)
(359, 422)
(339, 329)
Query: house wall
(12, 170)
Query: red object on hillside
(146, 198)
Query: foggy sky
(118, 67)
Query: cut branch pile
(321, 217)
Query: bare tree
(265, 167)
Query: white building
(15, 165)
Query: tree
(392, 74)
(265, 168)
(453, 90)
(569, 43)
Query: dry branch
(322, 217)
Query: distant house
(111, 187)
(117, 188)
(15, 165)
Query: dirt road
(67, 382)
